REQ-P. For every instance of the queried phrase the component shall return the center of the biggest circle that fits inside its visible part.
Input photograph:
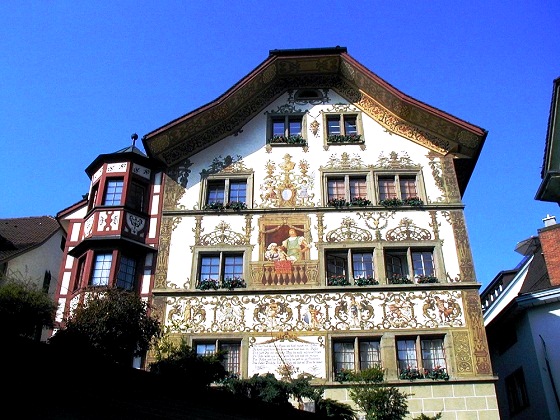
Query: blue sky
(78, 78)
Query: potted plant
(236, 205)
(399, 279)
(410, 374)
(291, 139)
(422, 279)
(207, 284)
(337, 280)
(231, 283)
(365, 281)
(338, 202)
(438, 373)
(360, 202)
(413, 201)
(216, 205)
(344, 375)
(391, 202)
(341, 138)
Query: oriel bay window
(355, 354)
(350, 266)
(231, 351)
(420, 357)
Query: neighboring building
(521, 314)
(31, 249)
(549, 190)
(308, 220)
(522, 306)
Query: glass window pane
(233, 265)
(295, 127)
(387, 188)
(362, 264)
(433, 355)
(127, 273)
(209, 267)
(333, 125)
(343, 356)
(232, 357)
(336, 263)
(336, 189)
(215, 192)
(406, 354)
(278, 127)
(205, 349)
(136, 196)
(350, 126)
(396, 264)
(101, 269)
(113, 192)
(358, 188)
(238, 191)
(370, 355)
(408, 187)
(423, 263)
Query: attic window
(313, 96)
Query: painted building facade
(311, 221)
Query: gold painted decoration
(478, 333)
(283, 186)
(408, 231)
(457, 221)
(462, 350)
(175, 183)
(225, 165)
(348, 231)
(305, 312)
(222, 235)
(345, 161)
(393, 161)
(376, 221)
(168, 224)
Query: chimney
(549, 237)
(549, 220)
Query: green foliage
(112, 323)
(337, 280)
(380, 402)
(24, 309)
(265, 388)
(365, 281)
(181, 363)
(341, 138)
(426, 417)
(336, 409)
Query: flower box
(438, 373)
(365, 281)
(397, 279)
(208, 284)
(231, 283)
(426, 279)
(339, 280)
(410, 374)
(296, 139)
(345, 139)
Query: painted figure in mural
(294, 245)
(275, 253)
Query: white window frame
(226, 179)
(358, 362)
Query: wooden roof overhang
(320, 68)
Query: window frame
(106, 192)
(102, 269)
(358, 362)
(219, 344)
(408, 249)
(288, 117)
(347, 176)
(200, 251)
(227, 180)
(516, 391)
(132, 284)
(349, 260)
(420, 361)
(131, 196)
(342, 117)
(396, 176)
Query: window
(113, 192)
(420, 355)
(343, 128)
(224, 191)
(126, 277)
(346, 187)
(397, 186)
(79, 274)
(346, 352)
(399, 263)
(101, 269)
(345, 265)
(286, 129)
(219, 266)
(516, 392)
(231, 349)
(47, 281)
(137, 196)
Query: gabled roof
(22, 234)
(318, 68)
